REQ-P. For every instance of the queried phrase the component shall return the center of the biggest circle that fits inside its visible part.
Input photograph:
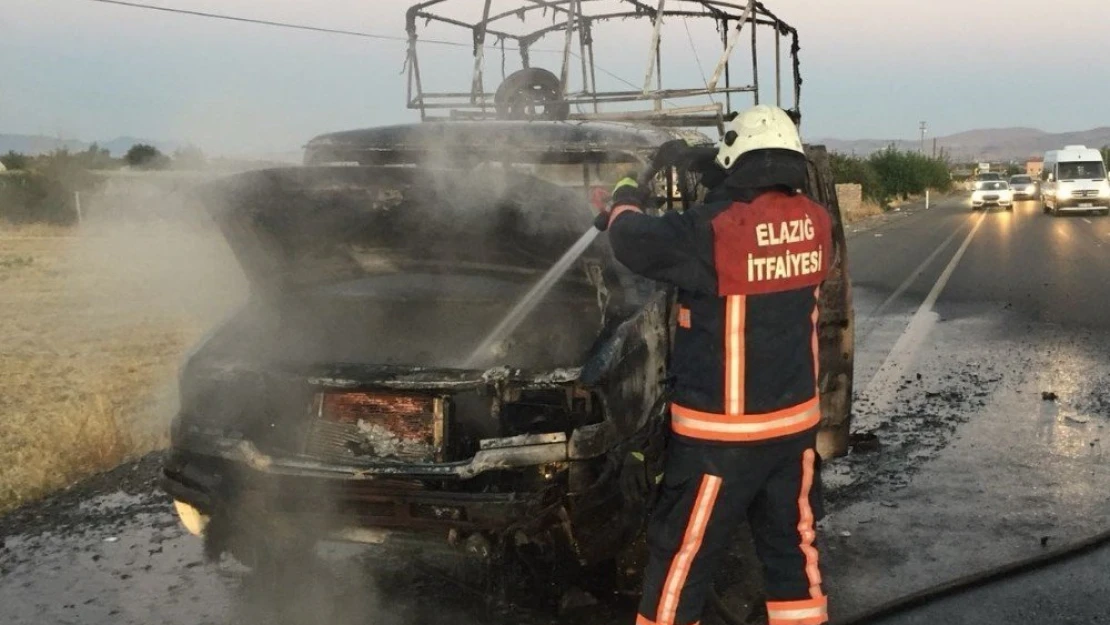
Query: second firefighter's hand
(634, 480)
(627, 192)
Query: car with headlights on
(1024, 187)
(1074, 180)
(992, 193)
(984, 178)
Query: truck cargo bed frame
(566, 20)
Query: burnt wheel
(532, 93)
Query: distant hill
(39, 144)
(36, 144)
(995, 144)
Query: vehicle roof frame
(733, 19)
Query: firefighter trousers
(708, 492)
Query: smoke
(405, 266)
(352, 585)
(399, 265)
(147, 265)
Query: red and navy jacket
(748, 264)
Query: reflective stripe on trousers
(745, 428)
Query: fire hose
(907, 603)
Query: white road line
(1088, 220)
(902, 288)
(883, 386)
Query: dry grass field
(863, 210)
(92, 329)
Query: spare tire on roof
(532, 93)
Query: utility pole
(924, 129)
(934, 147)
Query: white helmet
(761, 127)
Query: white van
(1074, 179)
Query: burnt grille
(348, 427)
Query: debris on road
(1077, 418)
(1049, 396)
(865, 442)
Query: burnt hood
(302, 227)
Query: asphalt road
(963, 321)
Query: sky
(78, 69)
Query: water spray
(531, 299)
(667, 154)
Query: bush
(890, 174)
(142, 156)
(14, 160)
(849, 169)
(43, 195)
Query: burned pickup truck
(357, 395)
(336, 403)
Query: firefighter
(748, 265)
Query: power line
(249, 20)
(332, 31)
(694, 49)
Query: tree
(851, 169)
(96, 157)
(142, 156)
(15, 160)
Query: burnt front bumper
(333, 499)
(337, 509)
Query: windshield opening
(1021, 180)
(1081, 170)
(994, 186)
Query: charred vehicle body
(345, 400)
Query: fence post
(926, 199)
(77, 204)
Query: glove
(601, 222)
(671, 153)
(626, 193)
(635, 483)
